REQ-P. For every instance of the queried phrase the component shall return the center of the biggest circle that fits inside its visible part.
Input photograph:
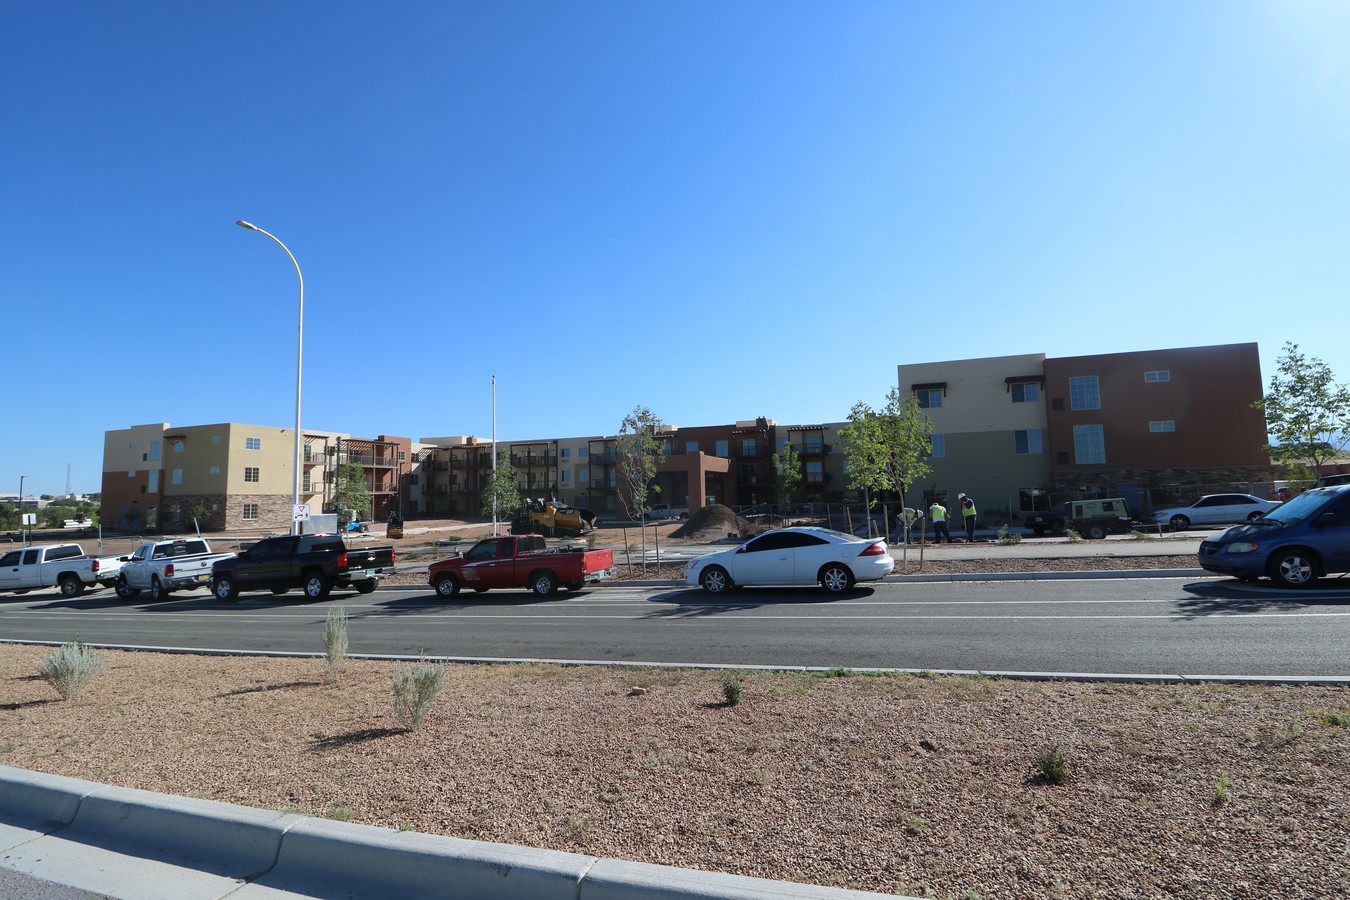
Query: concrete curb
(131, 843)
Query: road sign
(300, 513)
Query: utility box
(319, 523)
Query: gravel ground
(923, 786)
(901, 784)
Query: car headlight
(1241, 547)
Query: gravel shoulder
(904, 784)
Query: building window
(215, 470)
(251, 474)
(747, 446)
(691, 446)
(815, 472)
(929, 399)
(584, 451)
(154, 451)
(250, 510)
(939, 442)
(1028, 392)
(1089, 445)
(131, 473)
(133, 446)
(216, 439)
(1162, 426)
(1084, 392)
(566, 477)
(154, 480)
(179, 446)
(566, 452)
(667, 448)
(1028, 441)
(402, 456)
(176, 476)
(723, 449)
(1156, 376)
(252, 443)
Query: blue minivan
(1294, 544)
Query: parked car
(1303, 540)
(663, 511)
(520, 561)
(1214, 509)
(1093, 519)
(315, 563)
(63, 566)
(159, 567)
(796, 555)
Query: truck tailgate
(597, 560)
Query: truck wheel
(447, 586)
(715, 580)
(575, 585)
(157, 591)
(124, 590)
(317, 586)
(70, 585)
(224, 588)
(1293, 568)
(365, 587)
(544, 584)
(1095, 533)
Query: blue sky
(717, 210)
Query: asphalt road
(1163, 626)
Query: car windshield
(1298, 509)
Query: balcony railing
(811, 448)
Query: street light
(299, 359)
(18, 507)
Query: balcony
(811, 448)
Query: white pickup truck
(662, 511)
(181, 564)
(63, 566)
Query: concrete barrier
(131, 843)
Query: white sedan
(798, 555)
(1215, 509)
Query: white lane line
(740, 615)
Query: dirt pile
(716, 521)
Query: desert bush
(335, 643)
(733, 686)
(1053, 765)
(1073, 536)
(1222, 788)
(71, 668)
(1008, 537)
(415, 686)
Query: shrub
(1336, 717)
(1222, 787)
(732, 687)
(1008, 537)
(1073, 536)
(335, 642)
(71, 668)
(1137, 535)
(1053, 766)
(415, 686)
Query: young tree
(1307, 412)
(350, 494)
(787, 468)
(636, 452)
(887, 450)
(502, 487)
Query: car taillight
(168, 570)
(873, 550)
(95, 565)
(342, 560)
(393, 555)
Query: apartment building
(1026, 431)
(989, 429)
(1121, 423)
(236, 477)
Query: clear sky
(717, 210)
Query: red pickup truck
(520, 561)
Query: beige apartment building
(989, 429)
(236, 477)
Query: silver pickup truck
(181, 564)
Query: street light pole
(299, 368)
(18, 507)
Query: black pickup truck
(316, 563)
